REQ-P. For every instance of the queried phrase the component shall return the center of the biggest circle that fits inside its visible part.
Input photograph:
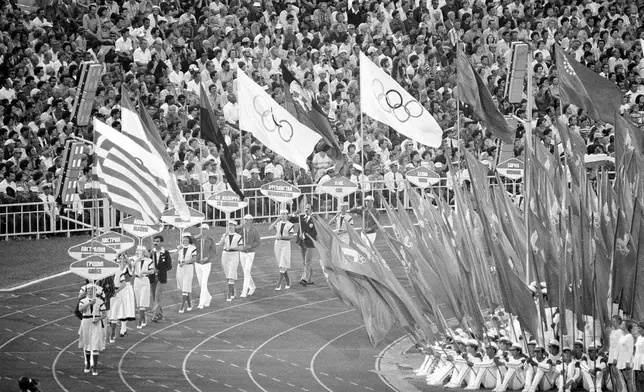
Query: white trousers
(246, 259)
(203, 273)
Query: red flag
(576, 82)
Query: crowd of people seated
(160, 52)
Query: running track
(302, 339)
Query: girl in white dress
(284, 233)
(122, 307)
(624, 360)
(638, 358)
(186, 256)
(143, 267)
(91, 337)
(232, 243)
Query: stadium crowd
(162, 51)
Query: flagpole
(458, 111)
(362, 193)
(528, 172)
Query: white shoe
(200, 307)
(86, 370)
(287, 287)
(242, 295)
(143, 324)
(112, 340)
(207, 305)
(189, 308)
(251, 291)
(139, 327)
(180, 310)
(278, 288)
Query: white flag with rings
(272, 124)
(384, 100)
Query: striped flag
(133, 178)
(143, 132)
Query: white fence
(31, 219)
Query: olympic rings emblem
(391, 101)
(269, 122)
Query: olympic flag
(273, 125)
(384, 100)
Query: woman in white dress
(186, 256)
(624, 360)
(143, 267)
(284, 233)
(638, 358)
(91, 337)
(232, 243)
(122, 307)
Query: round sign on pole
(339, 187)
(423, 177)
(94, 268)
(173, 218)
(92, 248)
(139, 229)
(115, 240)
(280, 191)
(512, 168)
(226, 201)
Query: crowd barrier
(20, 220)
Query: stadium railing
(24, 220)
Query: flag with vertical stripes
(133, 178)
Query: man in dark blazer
(162, 264)
(305, 236)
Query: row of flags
(579, 239)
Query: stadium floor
(302, 339)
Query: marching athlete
(231, 242)
(371, 217)
(143, 268)
(250, 241)
(203, 267)
(123, 305)
(284, 233)
(90, 334)
(305, 237)
(186, 256)
(162, 264)
(342, 220)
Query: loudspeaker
(72, 166)
(518, 70)
(90, 74)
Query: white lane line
(339, 379)
(290, 385)
(151, 381)
(233, 365)
(368, 389)
(324, 374)
(281, 360)
(63, 295)
(225, 341)
(213, 380)
(207, 356)
(45, 343)
(295, 364)
(312, 364)
(353, 383)
(240, 346)
(276, 379)
(221, 360)
(229, 386)
(252, 355)
(199, 375)
(163, 386)
(262, 374)
(267, 355)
